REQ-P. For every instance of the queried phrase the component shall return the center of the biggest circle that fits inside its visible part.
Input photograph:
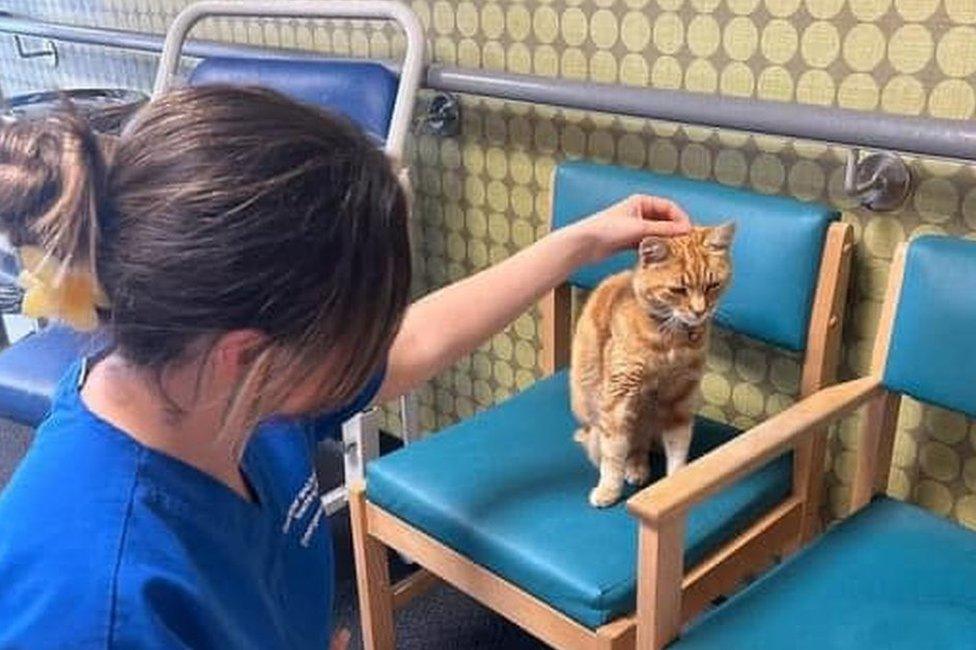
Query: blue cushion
(363, 91)
(932, 356)
(776, 252)
(31, 368)
(508, 489)
(892, 576)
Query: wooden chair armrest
(675, 494)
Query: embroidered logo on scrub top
(306, 497)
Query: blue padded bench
(892, 575)
(507, 488)
(364, 91)
(31, 369)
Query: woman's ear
(235, 350)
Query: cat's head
(680, 279)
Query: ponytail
(52, 187)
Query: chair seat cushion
(892, 576)
(31, 368)
(509, 489)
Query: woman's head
(225, 217)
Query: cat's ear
(720, 237)
(653, 250)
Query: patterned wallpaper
(485, 193)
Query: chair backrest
(776, 254)
(364, 91)
(931, 355)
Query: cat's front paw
(637, 474)
(602, 497)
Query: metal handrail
(924, 136)
(931, 137)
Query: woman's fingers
(665, 228)
(657, 208)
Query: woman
(248, 259)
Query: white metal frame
(360, 434)
(413, 62)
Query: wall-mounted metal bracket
(880, 181)
(441, 116)
(51, 50)
(11, 297)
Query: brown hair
(221, 209)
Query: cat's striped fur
(638, 355)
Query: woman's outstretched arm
(449, 323)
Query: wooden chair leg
(660, 570)
(372, 578)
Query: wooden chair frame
(667, 594)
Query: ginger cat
(638, 354)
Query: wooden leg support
(874, 453)
(417, 584)
(372, 578)
(659, 578)
(808, 480)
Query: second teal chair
(892, 575)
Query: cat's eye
(678, 291)
(713, 286)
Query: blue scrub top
(106, 543)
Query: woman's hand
(624, 224)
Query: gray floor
(442, 618)
(14, 440)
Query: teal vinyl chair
(497, 504)
(891, 575)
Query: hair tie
(58, 291)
